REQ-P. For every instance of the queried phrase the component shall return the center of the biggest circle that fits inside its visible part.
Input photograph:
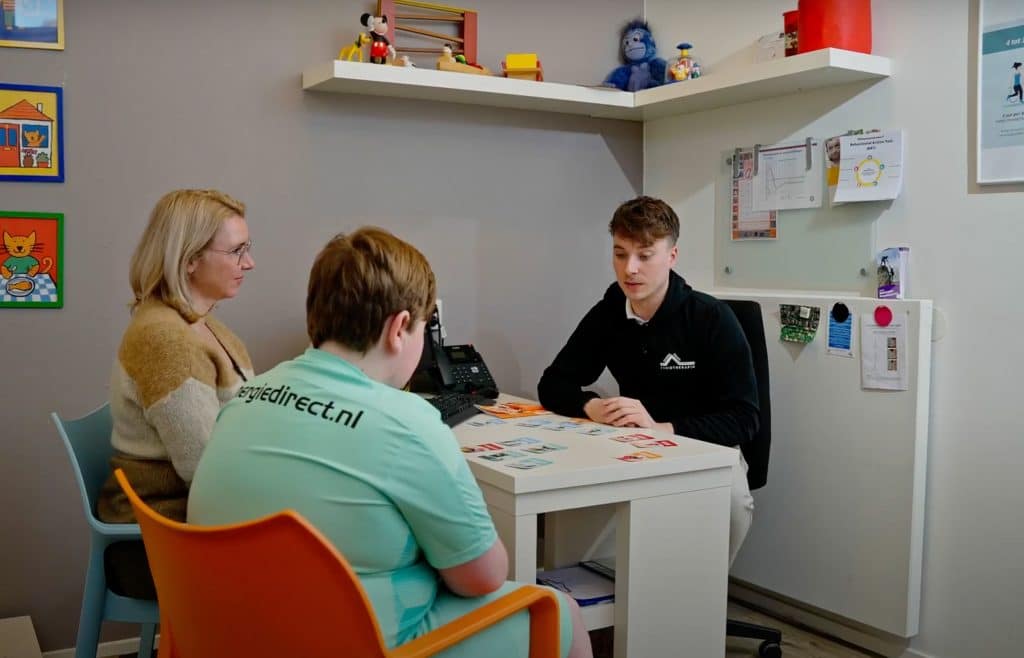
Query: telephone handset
(458, 368)
(461, 368)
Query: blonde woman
(176, 364)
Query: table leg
(519, 534)
(671, 575)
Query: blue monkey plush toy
(642, 67)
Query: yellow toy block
(521, 60)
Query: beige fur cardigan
(166, 389)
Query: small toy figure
(685, 67)
(380, 48)
(404, 61)
(642, 67)
(457, 63)
(355, 49)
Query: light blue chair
(88, 442)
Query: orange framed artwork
(31, 260)
(31, 133)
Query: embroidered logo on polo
(673, 362)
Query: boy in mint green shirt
(331, 435)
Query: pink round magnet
(883, 316)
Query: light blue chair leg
(148, 632)
(93, 603)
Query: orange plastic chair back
(277, 587)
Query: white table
(672, 527)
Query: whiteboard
(817, 249)
(840, 523)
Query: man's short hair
(359, 280)
(645, 220)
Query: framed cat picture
(32, 24)
(31, 260)
(31, 133)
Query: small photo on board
(31, 260)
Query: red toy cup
(842, 24)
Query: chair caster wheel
(769, 649)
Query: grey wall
(510, 207)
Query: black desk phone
(461, 368)
(458, 368)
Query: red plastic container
(842, 24)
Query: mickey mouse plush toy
(642, 67)
(381, 47)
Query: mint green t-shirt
(372, 467)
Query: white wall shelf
(822, 68)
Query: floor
(796, 642)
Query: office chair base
(769, 648)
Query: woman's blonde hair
(181, 225)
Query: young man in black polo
(679, 356)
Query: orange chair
(276, 587)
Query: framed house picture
(1000, 94)
(32, 24)
(31, 260)
(31, 133)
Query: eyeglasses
(239, 252)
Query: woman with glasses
(176, 365)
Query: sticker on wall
(799, 323)
(840, 331)
(31, 133)
(31, 260)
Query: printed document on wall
(871, 167)
(884, 353)
(788, 177)
(746, 223)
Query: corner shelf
(821, 68)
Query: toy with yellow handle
(355, 49)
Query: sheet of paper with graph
(788, 177)
(746, 223)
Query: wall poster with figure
(32, 24)
(1000, 94)
(31, 260)
(31, 133)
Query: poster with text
(1000, 92)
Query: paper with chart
(746, 223)
(870, 167)
(884, 353)
(788, 177)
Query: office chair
(755, 452)
(225, 591)
(87, 440)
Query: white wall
(966, 243)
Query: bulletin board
(840, 523)
(817, 249)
